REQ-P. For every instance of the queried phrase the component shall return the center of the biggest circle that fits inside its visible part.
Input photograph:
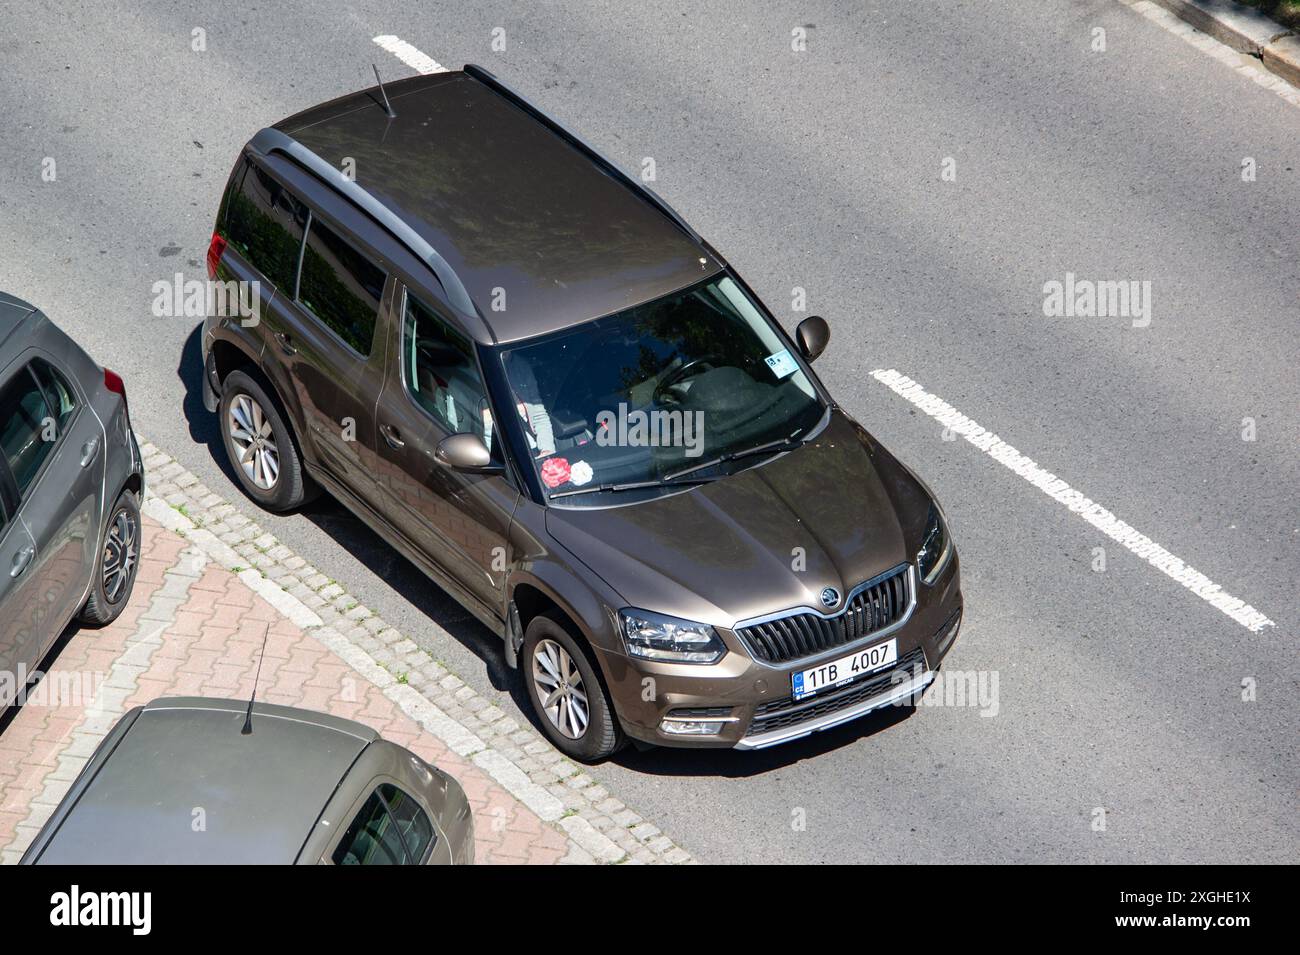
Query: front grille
(788, 712)
(871, 609)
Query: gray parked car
(533, 378)
(70, 486)
(180, 781)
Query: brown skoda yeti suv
(529, 375)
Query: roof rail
(269, 141)
(649, 195)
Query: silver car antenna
(248, 716)
(388, 107)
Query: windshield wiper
(671, 480)
(771, 447)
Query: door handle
(392, 436)
(88, 451)
(286, 343)
(21, 560)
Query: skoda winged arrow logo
(830, 596)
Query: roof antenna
(248, 716)
(388, 107)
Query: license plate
(835, 673)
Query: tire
(117, 564)
(601, 735)
(261, 450)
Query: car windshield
(650, 395)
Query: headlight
(654, 636)
(935, 547)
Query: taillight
(113, 382)
(215, 248)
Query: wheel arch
(228, 357)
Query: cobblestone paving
(212, 584)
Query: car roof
(259, 795)
(541, 231)
(13, 312)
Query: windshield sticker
(580, 473)
(555, 471)
(782, 364)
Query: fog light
(949, 636)
(692, 727)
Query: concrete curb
(1242, 28)
(1282, 57)
(1245, 30)
(599, 827)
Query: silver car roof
(183, 785)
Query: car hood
(833, 513)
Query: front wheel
(567, 693)
(119, 559)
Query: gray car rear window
(35, 405)
(390, 829)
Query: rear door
(263, 225)
(54, 450)
(433, 389)
(19, 595)
(336, 360)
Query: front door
(434, 389)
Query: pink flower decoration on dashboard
(555, 471)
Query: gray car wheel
(119, 559)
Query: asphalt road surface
(1123, 729)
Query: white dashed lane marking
(1061, 492)
(420, 62)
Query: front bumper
(749, 705)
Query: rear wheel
(567, 693)
(259, 445)
(119, 559)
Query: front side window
(31, 420)
(390, 829)
(264, 224)
(340, 286)
(442, 374)
(639, 396)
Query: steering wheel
(676, 376)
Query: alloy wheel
(254, 441)
(560, 688)
(120, 548)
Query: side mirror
(813, 335)
(466, 452)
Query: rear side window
(340, 286)
(264, 224)
(390, 829)
(30, 422)
(59, 395)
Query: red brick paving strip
(211, 649)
